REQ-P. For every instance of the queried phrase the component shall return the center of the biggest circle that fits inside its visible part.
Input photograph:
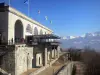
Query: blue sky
(69, 17)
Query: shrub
(91, 58)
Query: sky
(69, 17)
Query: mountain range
(89, 39)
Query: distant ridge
(89, 39)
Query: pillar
(45, 63)
(54, 52)
(58, 50)
(48, 55)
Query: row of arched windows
(19, 30)
(35, 31)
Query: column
(54, 52)
(45, 56)
(58, 50)
(48, 55)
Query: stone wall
(23, 58)
(16, 59)
(7, 65)
(67, 70)
(43, 68)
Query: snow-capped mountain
(88, 39)
(69, 37)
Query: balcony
(43, 39)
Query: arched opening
(41, 32)
(29, 29)
(35, 31)
(18, 31)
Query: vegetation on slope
(89, 57)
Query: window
(29, 29)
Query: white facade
(23, 59)
(14, 24)
(8, 21)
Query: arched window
(41, 32)
(29, 29)
(18, 30)
(35, 31)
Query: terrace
(47, 39)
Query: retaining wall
(67, 70)
(43, 68)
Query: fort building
(24, 42)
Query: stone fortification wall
(67, 70)
(7, 60)
(23, 58)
